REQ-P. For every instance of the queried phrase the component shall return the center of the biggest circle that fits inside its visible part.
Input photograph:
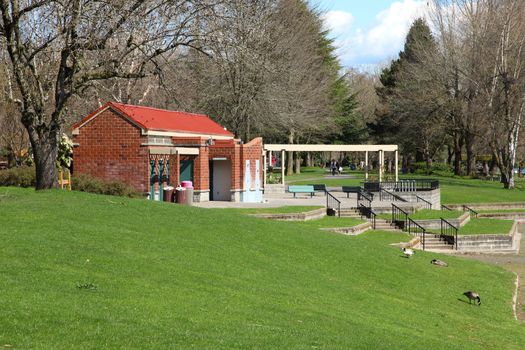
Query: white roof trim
(185, 151)
(185, 134)
(330, 148)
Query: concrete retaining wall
(496, 242)
(309, 215)
(433, 196)
(490, 206)
(351, 231)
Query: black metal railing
(449, 233)
(399, 217)
(333, 203)
(444, 207)
(426, 204)
(417, 230)
(365, 199)
(402, 185)
(385, 195)
(368, 213)
(471, 211)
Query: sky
(369, 33)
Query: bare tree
(57, 49)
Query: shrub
(88, 183)
(440, 169)
(20, 177)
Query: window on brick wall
(159, 140)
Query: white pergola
(381, 149)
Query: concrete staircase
(350, 213)
(386, 225)
(432, 242)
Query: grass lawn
(453, 190)
(486, 226)
(427, 214)
(162, 276)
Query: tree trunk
(469, 145)
(308, 159)
(297, 169)
(289, 166)
(458, 145)
(45, 155)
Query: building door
(221, 180)
(186, 170)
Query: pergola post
(282, 166)
(380, 166)
(265, 166)
(396, 165)
(366, 165)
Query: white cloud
(383, 40)
(338, 21)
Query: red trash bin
(180, 195)
(168, 193)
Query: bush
(88, 183)
(20, 177)
(440, 169)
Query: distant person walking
(334, 167)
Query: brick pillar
(202, 169)
(175, 169)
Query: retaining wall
(309, 215)
(351, 231)
(496, 242)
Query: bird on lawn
(472, 296)
(439, 263)
(408, 252)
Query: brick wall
(109, 147)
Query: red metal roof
(163, 120)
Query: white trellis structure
(380, 149)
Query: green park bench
(319, 187)
(351, 189)
(301, 189)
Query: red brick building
(149, 148)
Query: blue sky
(369, 33)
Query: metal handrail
(410, 185)
(368, 213)
(333, 203)
(363, 197)
(399, 217)
(390, 196)
(413, 230)
(428, 205)
(449, 230)
(444, 207)
(471, 211)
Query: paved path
(511, 262)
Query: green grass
(486, 226)
(176, 277)
(427, 214)
(453, 190)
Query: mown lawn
(486, 226)
(453, 190)
(427, 214)
(162, 276)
